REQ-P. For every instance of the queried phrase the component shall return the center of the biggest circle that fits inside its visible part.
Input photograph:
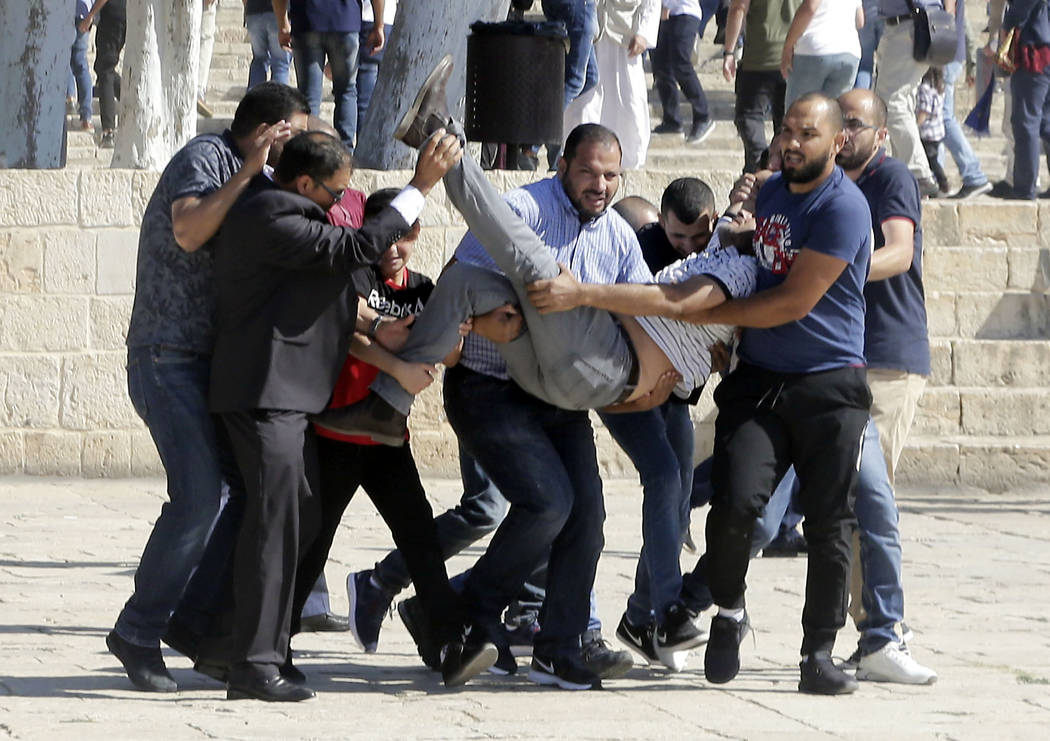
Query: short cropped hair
(589, 132)
(312, 153)
(379, 200)
(688, 199)
(267, 103)
(834, 109)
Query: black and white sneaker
(638, 638)
(567, 671)
(675, 636)
(460, 661)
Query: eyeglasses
(337, 195)
(855, 126)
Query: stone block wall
(68, 243)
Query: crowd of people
(278, 339)
(772, 50)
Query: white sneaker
(892, 664)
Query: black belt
(633, 374)
(898, 19)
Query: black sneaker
(460, 661)
(788, 544)
(107, 140)
(602, 660)
(667, 128)
(928, 188)
(369, 606)
(675, 636)
(144, 665)
(567, 671)
(722, 658)
(415, 620)
(700, 131)
(371, 417)
(1001, 189)
(505, 663)
(972, 191)
(820, 676)
(638, 638)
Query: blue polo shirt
(895, 332)
(327, 16)
(834, 220)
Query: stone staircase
(985, 417)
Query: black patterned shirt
(174, 295)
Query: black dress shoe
(217, 670)
(371, 417)
(291, 672)
(144, 665)
(324, 623)
(252, 682)
(429, 111)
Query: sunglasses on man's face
(337, 195)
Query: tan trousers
(894, 396)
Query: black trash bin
(515, 82)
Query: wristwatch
(373, 327)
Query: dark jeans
(659, 443)
(169, 389)
(109, 40)
(1031, 122)
(766, 422)
(759, 94)
(673, 68)
(390, 479)
(276, 453)
(543, 460)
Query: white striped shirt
(687, 345)
(601, 250)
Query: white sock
(736, 614)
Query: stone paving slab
(977, 567)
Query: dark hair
(688, 199)
(934, 77)
(834, 110)
(379, 200)
(312, 153)
(881, 113)
(267, 103)
(589, 132)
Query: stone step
(989, 363)
(994, 463)
(988, 315)
(983, 411)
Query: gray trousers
(577, 359)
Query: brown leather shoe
(429, 111)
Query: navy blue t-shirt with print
(326, 16)
(833, 220)
(174, 295)
(895, 332)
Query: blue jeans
(880, 545)
(581, 64)
(309, 51)
(80, 76)
(1031, 122)
(268, 58)
(830, 74)
(659, 443)
(954, 139)
(367, 71)
(169, 389)
(543, 461)
(869, 41)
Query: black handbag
(935, 36)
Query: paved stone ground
(977, 567)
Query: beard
(853, 160)
(807, 172)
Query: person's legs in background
(342, 49)
(974, 181)
(207, 45)
(308, 55)
(367, 72)
(80, 79)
